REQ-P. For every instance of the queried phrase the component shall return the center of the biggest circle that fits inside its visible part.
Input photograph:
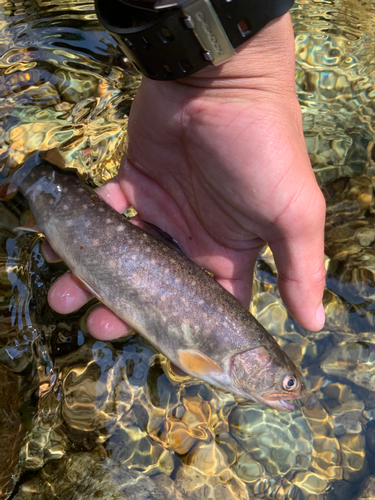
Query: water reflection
(62, 86)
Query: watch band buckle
(201, 17)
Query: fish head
(268, 377)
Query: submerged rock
(88, 476)
(354, 361)
(11, 429)
(367, 489)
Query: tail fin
(9, 187)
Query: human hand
(218, 161)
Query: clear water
(88, 419)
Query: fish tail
(10, 186)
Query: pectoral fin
(199, 364)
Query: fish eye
(289, 382)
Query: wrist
(265, 61)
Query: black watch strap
(172, 39)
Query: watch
(171, 39)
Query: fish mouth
(280, 405)
(275, 401)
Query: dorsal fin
(161, 235)
(199, 364)
(167, 239)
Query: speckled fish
(162, 294)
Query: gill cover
(266, 377)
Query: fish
(160, 292)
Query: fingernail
(320, 316)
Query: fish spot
(225, 324)
(177, 280)
(95, 243)
(200, 302)
(80, 190)
(51, 202)
(108, 220)
(81, 247)
(193, 283)
(69, 223)
(163, 298)
(44, 172)
(220, 309)
(133, 257)
(101, 209)
(65, 207)
(84, 206)
(148, 249)
(120, 228)
(153, 261)
(65, 190)
(95, 198)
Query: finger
(112, 194)
(49, 253)
(103, 324)
(242, 283)
(299, 258)
(66, 296)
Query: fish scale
(162, 294)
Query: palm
(177, 174)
